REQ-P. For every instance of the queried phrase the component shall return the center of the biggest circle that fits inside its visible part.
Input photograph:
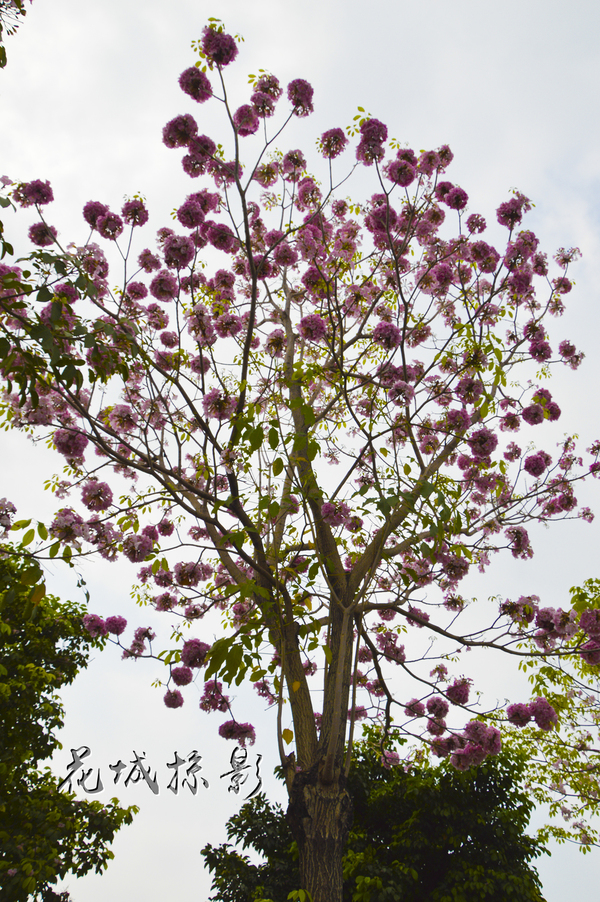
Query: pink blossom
(182, 675)
(519, 542)
(414, 708)
(482, 442)
(536, 464)
(241, 732)
(136, 548)
(95, 625)
(173, 698)
(518, 714)
(37, 192)
(543, 713)
(435, 726)
(333, 142)
(134, 212)
(178, 251)
(312, 327)
(387, 335)
(96, 496)
(390, 759)
(300, 95)
(195, 83)
(116, 624)
(458, 692)
(41, 234)
(164, 286)
(589, 622)
(219, 47)
(335, 513)
(194, 652)
(437, 706)
(590, 652)
(68, 526)
(217, 405)
(246, 120)
(213, 698)
(71, 444)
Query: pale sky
(512, 87)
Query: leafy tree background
(475, 42)
(44, 832)
(429, 835)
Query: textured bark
(320, 817)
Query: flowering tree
(302, 412)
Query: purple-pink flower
(518, 714)
(458, 692)
(333, 143)
(194, 652)
(95, 625)
(213, 698)
(173, 698)
(195, 84)
(220, 48)
(414, 708)
(136, 548)
(246, 120)
(242, 732)
(164, 286)
(71, 444)
(312, 327)
(41, 234)
(182, 675)
(335, 513)
(96, 496)
(37, 192)
(483, 442)
(300, 95)
(179, 131)
(116, 624)
(218, 405)
(387, 335)
(536, 464)
(543, 713)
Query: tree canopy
(45, 834)
(299, 412)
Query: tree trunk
(320, 817)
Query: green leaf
(42, 531)
(313, 570)
(273, 438)
(313, 449)
(257, 437)
(277, 466)
(54, 549)
(28, 537)
(287, 736)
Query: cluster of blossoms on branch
(334, 410)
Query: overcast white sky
(511, 86)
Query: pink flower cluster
(240, 732)
(540, 710)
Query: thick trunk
(320, 817)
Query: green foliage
(431, 834)
(44, 833)
(563, 764)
